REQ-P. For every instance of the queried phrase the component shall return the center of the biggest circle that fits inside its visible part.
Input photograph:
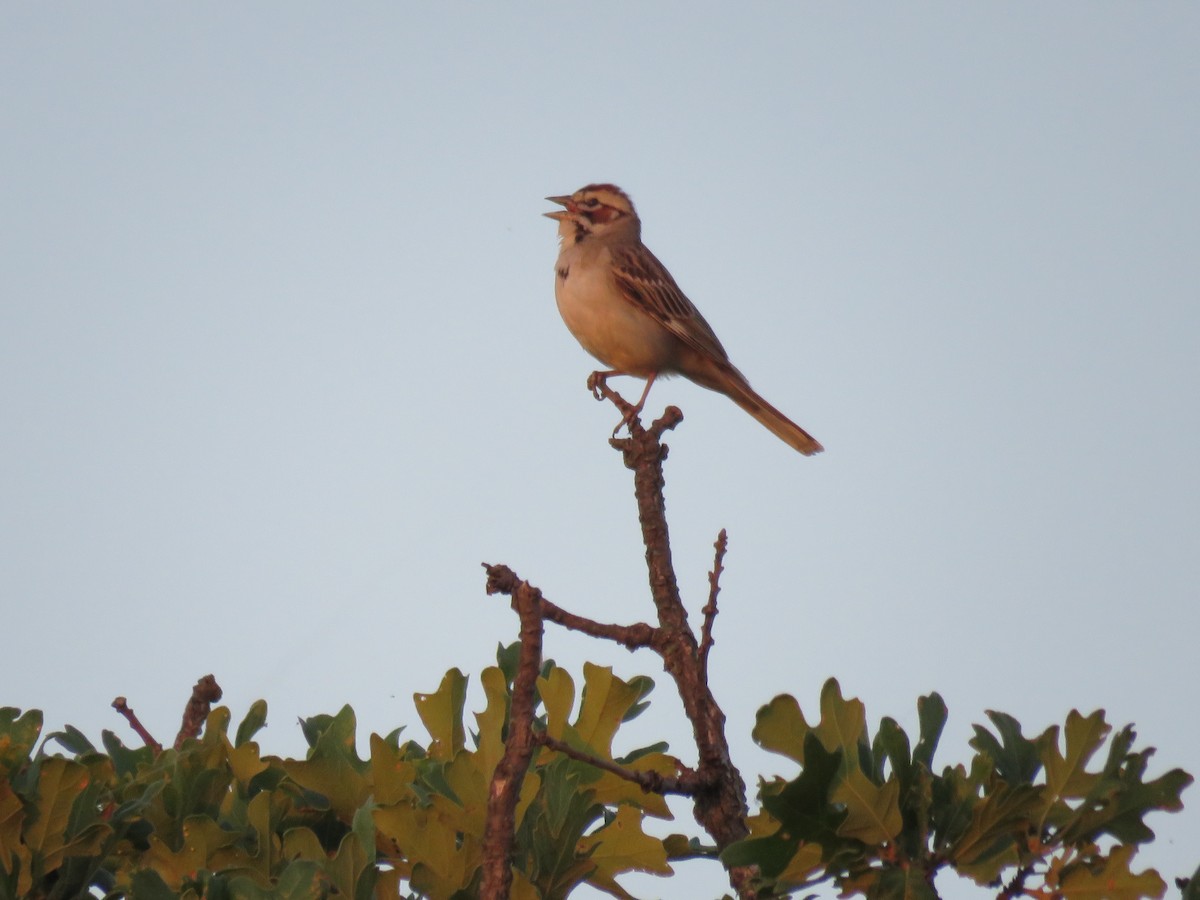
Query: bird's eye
(590, 203)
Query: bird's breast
(608, 325)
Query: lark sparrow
(624, 307)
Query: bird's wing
(645, 282)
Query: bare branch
(710, 608)
(510, 771)
(131, 717)
(205, 693)
(721, 807)
(686, 784)
(632, 637)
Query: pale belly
(611, 328)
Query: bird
(626, 310)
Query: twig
(505, 788)
(710, 608)
(127, 711)
(204, 695)
(631, 637)
(685, 784)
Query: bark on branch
(205, 693)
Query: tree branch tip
(500, 579)
(671, 417)
(205, 693)
(121, 705)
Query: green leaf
(932, 713)
(509, 660)
(73, 740)
(392, 775)
(955, 794)
(333, 768)
(891, 743)
(872, 811)
(14, 854)
(915, 792)
(1016, 758)
(997, 823)
(1191, 890)
(301, 880)
(254, 721)
(147, 884)
(1066, 775)
(621, 846)
(892, 883)
(364, 826)
(245, 763)
(641, 685)
(553, 825)
(442, 714)
(557, 690)
(314, 726)
(216, 725)
(780, 728)
(301, 843)
(441, 863)
(843, 722)
(605, 703)
(18, 734)
(348, 865)
(771, 854)
(1120, 798)
(125, 760)
(802, 807)
(492, 721)
(60, 781)
(250, 850)
(651, 750)
(1112, 880)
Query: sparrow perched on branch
(626, 310)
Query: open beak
(560, 214)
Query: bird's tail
(740, 392)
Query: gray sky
(280, 363)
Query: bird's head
(598, 209)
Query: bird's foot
(598, 384)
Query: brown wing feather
(647, 282)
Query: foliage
(875, 818)
(216, 819)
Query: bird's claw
(595, 383)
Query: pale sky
(280, 363)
